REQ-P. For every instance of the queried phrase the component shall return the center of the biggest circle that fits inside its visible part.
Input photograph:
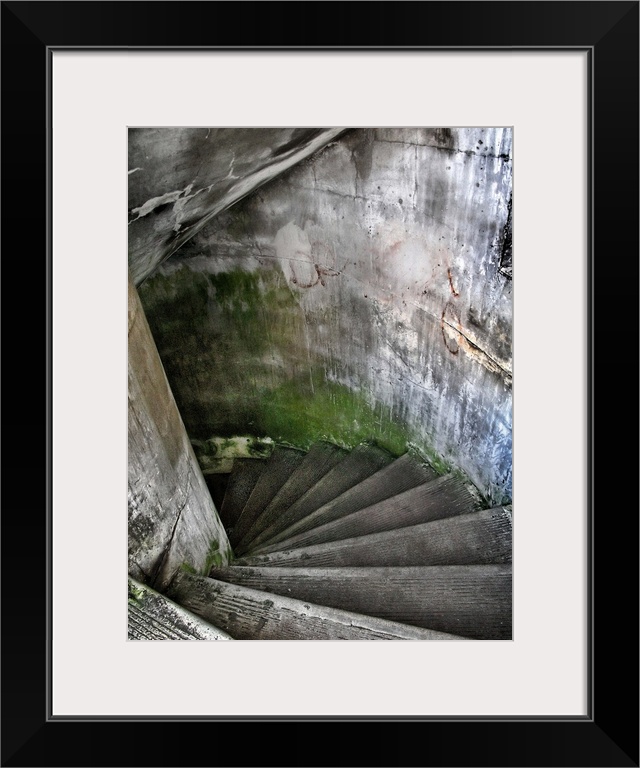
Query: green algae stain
(136, 595)
(425, 453)
(213, 329)
(298, 414)
(215, 557)
(239, 224)
(172, 300)
(234, 347)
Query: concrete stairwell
(332, 544)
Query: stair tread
(469, 600)
(242, 480)
(320, 459)
(152, 616)
(362, 462)
(250, 614)
(443, 497)
(471, 539)
(401, 475)
(277, 469)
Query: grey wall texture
(364, 293)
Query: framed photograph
(553, 88)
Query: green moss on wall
(299, 412)
(136, 595)
(235, 346)
(214, 557)
(171, 302)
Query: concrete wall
(180, 177)
(365, 293)
(172, 519)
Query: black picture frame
(608, 735)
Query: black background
(609, 736)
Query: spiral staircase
(336, 544)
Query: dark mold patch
(506, 248)
(444, 137)
(363, 154)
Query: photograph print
(320, 383)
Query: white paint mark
(230, 174)
(155, 202)
(133, 170)
(178, 208)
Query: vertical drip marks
(415, 178)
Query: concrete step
(401, 475)
(473, 601)
(250, 614)
(242, 480)
(363, 461)
(152, 616)
(277, 470)
(320, 459)
(443, 497)
(473, 539)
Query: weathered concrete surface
(477, 538)
(473, 601)
(151, 616)
(172, 519)
(438, 499)
(319, 461)
(241, 481)
(363, 294)
(364, 461)
(249, 614)
(404, 473)
(278, 468)
(181, 177)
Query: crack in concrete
(421, 386)
(165, 552)
(470, 152)
(398, 355)
(328, 271)
(491, 363)
(476, 348)
(142, 570)
(332, 192)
